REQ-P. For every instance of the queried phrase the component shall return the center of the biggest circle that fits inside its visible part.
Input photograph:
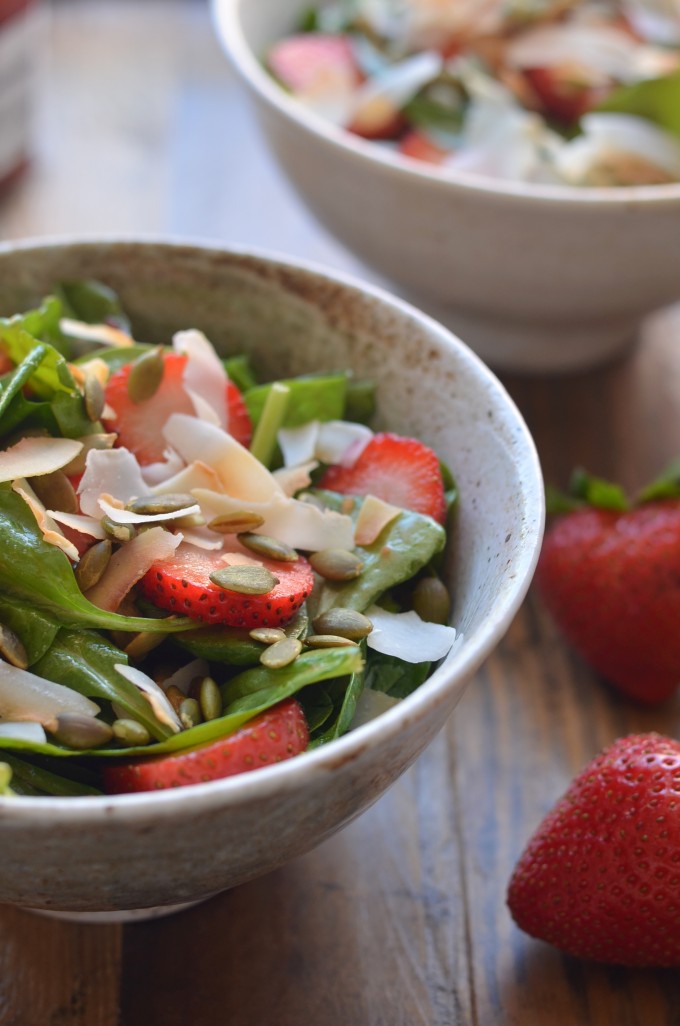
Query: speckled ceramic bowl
(108, 856)
(534, 278)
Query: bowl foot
(130, 915)
(544, 347)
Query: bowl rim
(291, 774)
(227, 25)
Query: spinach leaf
(53, 374)
(259, 688)
(93, 302)
(116, 356)
(344, 695)
(657, 99)
(317, 397)
(240, 372)
(393, 676)
(36, 630)
(32, 778)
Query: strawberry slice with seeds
(277, 734)
(139, 426)
(418, 145)
(315, 65)
(402, 471)
(181, 584)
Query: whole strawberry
(600, 879)
(610, 576)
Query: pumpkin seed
(336, 564)
(146, 374)
(236, 523)
(281, 653)
(93, 441)
(328, 641)
(93, 395)
(431, 600)
(55, 491)
(175, 697)
(268, 547)
(118, 532)
(12, 648)
(152, 505)
(130, 732)
(246, 580)
(141, 644)
(189, 713)
(267, 635)
(77, 731)
(92, 564)
(347, 623)
(209, 699)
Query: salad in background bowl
(542, 234)
(81, 852)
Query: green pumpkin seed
(141, 644)
(12, 648)
(246, 580)
(189, 713)
(152, 505)
(281, 653)
(130, 732)
(92, 564)
(328, 641)
(94, 441)
(336, 564)
(347, 623)
(431, 600)
(55, 491)
(209, 699)
(118, 532)
(93, 395)
(146, 374)
(268, 547)
(76, 731)
(267, 635)
(236, 523)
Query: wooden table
(400, 920)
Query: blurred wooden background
(400, 920)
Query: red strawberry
(182, 584)
(399, 470)
(600, 878)
(611, 579)
(418, 145)
(277, 734)
(139, 425)
(315, 64)
(561, 96)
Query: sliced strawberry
(277, 734)
(561, 97)
(402, 471)
(314, 64)
(417, 144)
(139, 426)
(182, 584)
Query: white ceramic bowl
(534, 278)
(111, 854)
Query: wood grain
(400, 920)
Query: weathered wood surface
(400, 920)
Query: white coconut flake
(239, 559)
(204, 376)
(202, 408)
(26, 696)
(50, 530)
(129, 563)
(33, 457)
(156, 474)
(109, 471)
(604, 50)
(341, 441)
(126, 516)
(183, 677)
(407, 637)
(373, 517)
(29, 731)
(196, 475)
(241, 475)
(294, 479)
(202, 538)
(163, 710)
(78, 522)
(104, 333)
(397, 83)
(370, 705)
(298, 444)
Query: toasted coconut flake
(50, 530)
(112, 472)
(33, 457)
(298, 444)
(341, 441)
(241, 475)
(158, 474)
(120, 515)
(104, 333)
(297, 523)
(129, 563)
(79, 522)
(374, 516)
(196, 475)
(154, 694)
(97, 367)
(202, 538)
(33, 733)
(205, 378)
(293, 479)
(407, 637)
(202, 408)
(26, 696)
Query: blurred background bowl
(112, 855)
(535, 278)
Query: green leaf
(240, 372)
(344, 695)
(666, 486)
(393, 676)
(29, 778)
(11, 384)
(36, 630)
(53, 374)
(116, 356)
(93, 302)
(657, 99)
(317, 397)
(260, 687)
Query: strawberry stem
(263, 445)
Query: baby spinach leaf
(657, 99)
(393, 676)
(93, 302)
(317, 397)
(29, 778)
(260, 687)
(36, 630)
(11, 385)
(116, 356)
(53, 374)
(344, 695)
(240, 372)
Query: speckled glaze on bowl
(132, 852)
(534, 278)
